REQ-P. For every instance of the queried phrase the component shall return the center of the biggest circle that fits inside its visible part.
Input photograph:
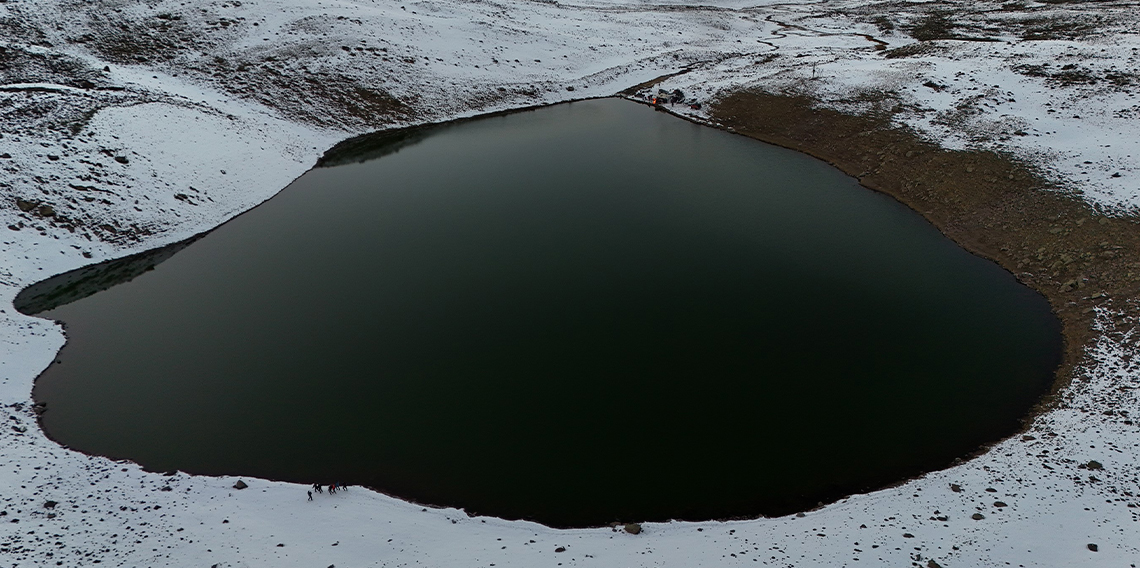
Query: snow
(183, 122)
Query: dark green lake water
(586, 313)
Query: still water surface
(586, 313)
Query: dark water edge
(627, 475)
(80, 283)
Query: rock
(999, 504)
(46, 210)
(1093, 464)
(240, 485)
(908, 535)
(569, 88)
(122, 159)
(977, 516)
(955, 488)
(633, 528)
(1093, 547)
(50, 504)
(560, 549)
(932, 564)
(25, 205)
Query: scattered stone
(633, 528)
(1093, 464)
(955, 488)
(977, 516)
(1093, 547)
(932, 564)
(560, 549)
(122, 159)
(240, 485)
(50, 504)
(1000, 504)
(908, 535)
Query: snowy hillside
(131, 124)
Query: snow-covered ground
(129, 124)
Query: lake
(586, 313)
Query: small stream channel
(585, 313)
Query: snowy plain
(127, 125)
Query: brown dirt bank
(989, 203)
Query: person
(332, 488)
(310, 495)
(317, 487)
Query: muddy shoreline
(991, 204)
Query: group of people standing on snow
(333, 488)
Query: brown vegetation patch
(319, 97)
(989, 203)
(127, 40)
